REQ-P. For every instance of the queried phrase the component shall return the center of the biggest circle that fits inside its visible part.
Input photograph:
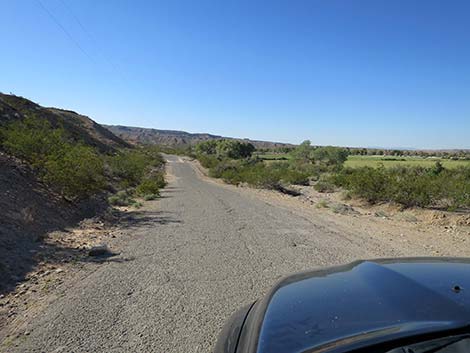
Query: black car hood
(342, 308)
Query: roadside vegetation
(410, 181)
(234, 162)
(79, 171)
(409, 186)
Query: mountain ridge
(175, 138)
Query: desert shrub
(324, 186)
(302, 153)
(76, 172)
(367, 183)
(151, 197)
(129, 166)
(332, 157)
(295, 177)
(409, 186)
(262, 176)
(225, 148)
(73, 168)
(412, 187)
(70, 167)
(121, 198)
(289, 174)
(254, 172)
(322, 204)
(250, 171)
(150, 185)
(329, 157)
(206, 147)
(343, 209)
(33, 140)
(222, 168)
(234, 149)
(207, 161)
(454, 187)
(345, 195)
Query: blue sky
(390, 73)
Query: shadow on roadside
(23, 244)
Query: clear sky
(392, 73)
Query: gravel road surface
(189, 261)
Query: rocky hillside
(174, 138)
(79, 127)
(31, 209)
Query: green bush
(234, 149)
(409, 186)
(324, 186)
(329, 157)
(129, 167)
(150, 185)
(33, 140)
(322, 204)
(207, 161)
(137, 204)
(76, 172)
(121, 198)
(225, 148)
(75, 169)
(368, 183)
(140, 168)
(151, 197)
(333, 157)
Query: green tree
(206, 147)
(330, 156)
(302, 153)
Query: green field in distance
(374, 161)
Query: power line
(56, 21)
(93, 39)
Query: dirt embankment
(29, 210)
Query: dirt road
(189, 261)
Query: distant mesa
(174, 138)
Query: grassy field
(388, 161)
(374, 161)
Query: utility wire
(67, 33)
(93, 39)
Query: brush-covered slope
(78, 127)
